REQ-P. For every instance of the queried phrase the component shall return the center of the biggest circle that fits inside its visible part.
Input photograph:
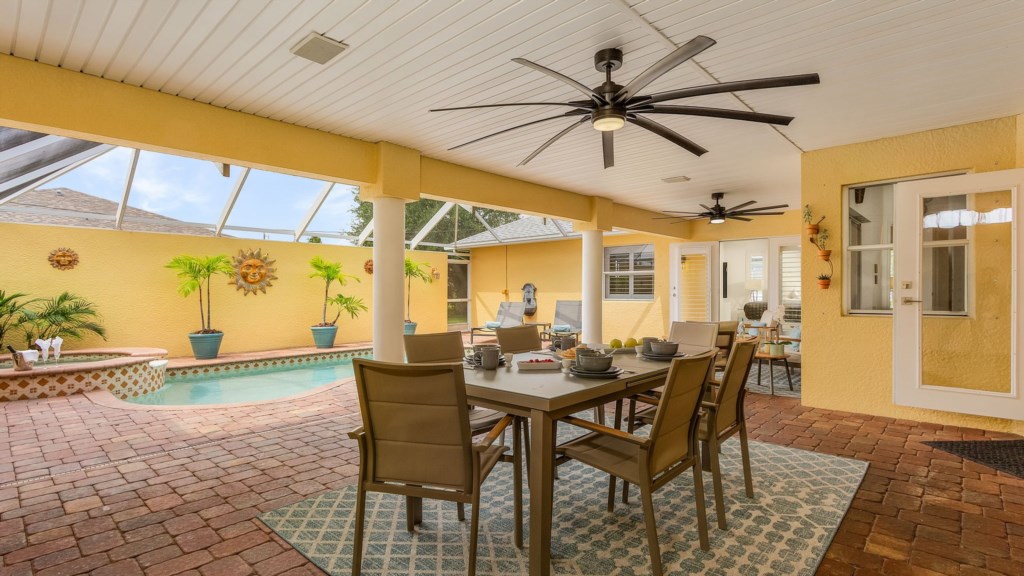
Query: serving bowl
(593, 360)
(664, 348)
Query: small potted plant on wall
(193, 273)
(823, 237)
(325, 332)
(824, 281)
(811, 225)
(413, 270)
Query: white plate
(526, 365)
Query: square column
(593, 282)
(388, 278)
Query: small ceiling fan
(610, 106)
(718, 214)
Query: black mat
(1003, 455)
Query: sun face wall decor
(63, 258)
(253, 272)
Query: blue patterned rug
(781, 383)
(800, 499)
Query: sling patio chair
(568, 320)
(652, 462)
(509, 314)
(415, 442)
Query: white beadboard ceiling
(887, 68)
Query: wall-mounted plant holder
(810, 224)
(819, 236)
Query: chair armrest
(357, 433)
(493, 435)
(614, 433)
(646, 399)
(788, 339)
(710, 406)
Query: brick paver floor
(91, 488)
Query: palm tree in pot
(330, 272)
(195, 272)
(413, 270)
(66, 315)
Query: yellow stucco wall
(123, 274)
(847, 360)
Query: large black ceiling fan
(718, 214)
(610, 106)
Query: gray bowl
(664, 348)
(593, 361)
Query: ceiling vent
(675, 179)
(318, 48)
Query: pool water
(251, 386)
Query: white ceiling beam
(313, 210)
(27, 147)
(482, 221)
(431, 224)
(627, 10)
(230, 204)
(73, 162)
(367, 230)
(128, 179)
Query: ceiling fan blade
(675, 58)
(681, 212)
(573, 113)
(738, 206)
(721, 113)
(765, 208)
(682, 216)
(608, 147)
(754, 213)
(551, 141)
(563, 78)
(706, 207)
(668, 134)
(587, 105)
(738, 218)
(736, 86)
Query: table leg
(789, 373)
(541, 491)
(771, 376)
(759, 372)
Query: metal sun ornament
(253, 272)
(63, 258)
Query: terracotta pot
(812, 229)
(825, 255)
(824, 284)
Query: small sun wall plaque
(253, 272)
(63, 258)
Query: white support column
(593, 272)
(388, 279)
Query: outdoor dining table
(544, 396)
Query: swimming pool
(266, 383)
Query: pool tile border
(241, 367)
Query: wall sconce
(435, 274)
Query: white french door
(694, 281)
(958, 262)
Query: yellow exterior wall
(123, 274)
(847, 360)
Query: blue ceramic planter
(323, 336)
(205, 346)
(410, 327)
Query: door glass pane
(789, 284)
(743, 279)
(966, 340)
(458, 281)
(693, 287)
(870, 209)
(871, 284)
(458, 312)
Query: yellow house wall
(123, 274)
(847, 360)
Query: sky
(194, 191)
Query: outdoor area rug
(781, 384)
(800, 499)
(1003, 455)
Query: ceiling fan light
(608, 120)
(717, 220)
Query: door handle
(909, 300)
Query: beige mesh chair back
(415, 441)
(694, 337)
(519, 339)
(439, 347)
(569, 313)
(513, 315)
(729, 396)
(674, 430)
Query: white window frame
(630, 249)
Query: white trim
(367, 230)
(230, 204)
(71, 163)
(710, 251)
(129, 177)
(313, 210)
(470, 209)
(908, 389)
(430, 225)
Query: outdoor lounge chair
(509, 314)
(652, 462)
(415, 441)
(568, 320)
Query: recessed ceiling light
(318, 48)
(675, 179)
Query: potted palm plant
(413, 270)
(325, 332)
(14, 313)
(66, 315)
(193, 273)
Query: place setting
(594, 364)
(659, 350)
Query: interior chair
(519, 339)
(724, 417)
(415, 442)
(509, 314)
(568, 319)
(652, 462)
